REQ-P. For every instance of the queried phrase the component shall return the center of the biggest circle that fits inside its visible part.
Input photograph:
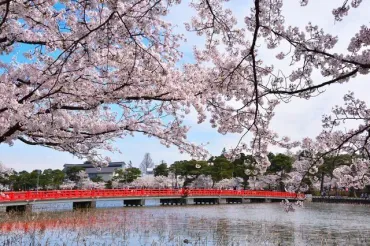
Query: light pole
(38, 180)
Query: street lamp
(38, 180)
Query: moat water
(234, 224)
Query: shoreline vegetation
(218, 172)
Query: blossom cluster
(5, 171)
(202, 181)
(356, 175)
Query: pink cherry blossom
(357, 175)
(5, 171)
(68, 185)
(92, 73)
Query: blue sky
(297, 119)
(21, 156)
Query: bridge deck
(33, 197)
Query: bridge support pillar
(84, 205)
(276, 200)
(222, 200)
(172, 201)
(234, 200)
(19, 208)
(257, 200)
(136, 202)
(189, 201)
(206, 200)
(246, 200)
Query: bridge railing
(111, 193)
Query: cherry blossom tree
(229, 183)
(163, 182)
(5, 171)
(84, 182)
(357, 175)
(152, 182)
(3, 187)
(263, 182)
(202, 181)
(68, 185)
(116, 184)
(176, 181)
(259, 87)
(98, 185)
(327, 183)
(93, 71)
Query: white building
(106, 173)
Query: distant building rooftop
(117, 164)
(106, 173)
(102, 170)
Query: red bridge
(21, 201)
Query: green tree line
(217, 167)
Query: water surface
(234, 224)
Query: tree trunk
(281, 184)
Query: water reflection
(242, 224)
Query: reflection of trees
(169, 226)
(267, 233)
(222, 232)
(281, 234)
